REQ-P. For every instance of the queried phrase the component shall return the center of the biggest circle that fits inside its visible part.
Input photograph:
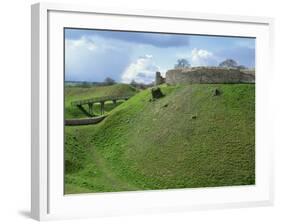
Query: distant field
(73, 93)
(189, 138)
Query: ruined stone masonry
(206, 75)
(159, 79)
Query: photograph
(157, 111)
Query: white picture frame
(47, 198)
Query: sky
(92, 55)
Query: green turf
(189, 138)
(73, 93)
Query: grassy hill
(73, 93)
(189, 138)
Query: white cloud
(142, 70)
(200, 57)
(84, 43)
(91, 58)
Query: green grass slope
(73, 93)
(189, 138)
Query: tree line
(228, 63)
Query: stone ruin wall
(209, 75)
(159, 79)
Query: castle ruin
(159, 79)
(203, 75)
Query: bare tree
(228, 63)
(182, 63)
(109, 81)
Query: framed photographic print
(148, 111)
